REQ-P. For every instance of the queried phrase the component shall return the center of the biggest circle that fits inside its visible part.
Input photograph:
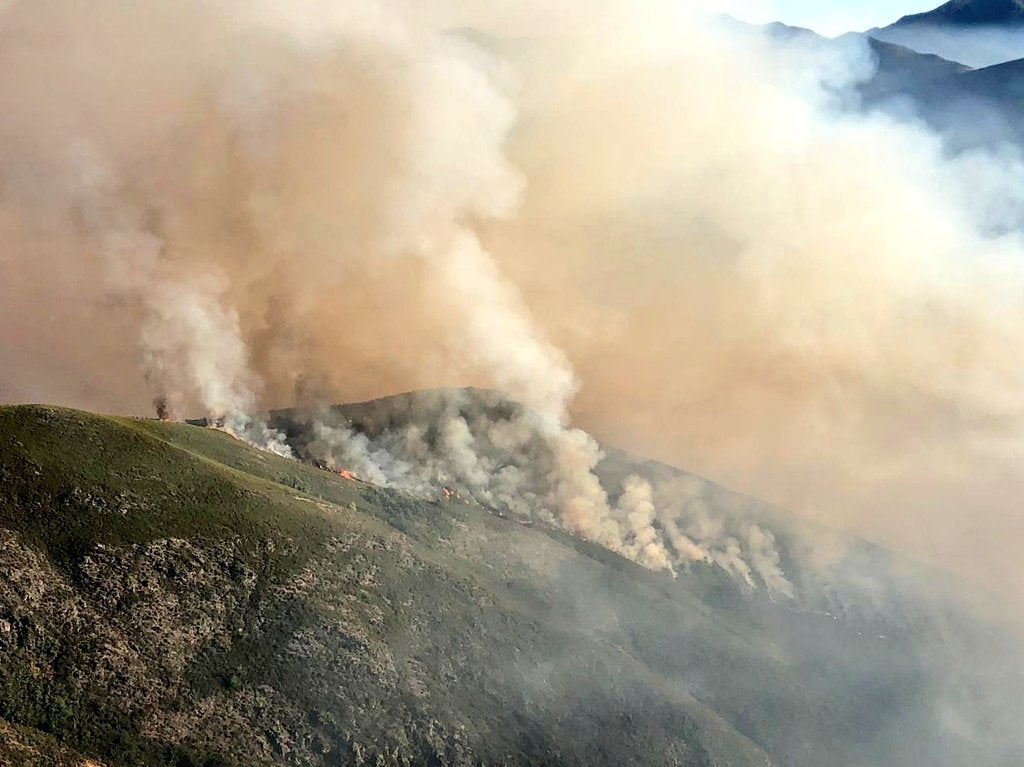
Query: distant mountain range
(968, 106)
(967, 12)
(978, 33)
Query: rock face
(171, 597)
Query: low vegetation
(174, 597)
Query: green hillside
(174, 597)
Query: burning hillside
(246, 608)
(481, 446)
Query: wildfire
(343, 473)
(163, 411)
(449, 494)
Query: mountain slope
(174, 597)
(1001, 83)
(902, 70)
(980, 107)
(166, 608)
(898, 70)
(968, 108)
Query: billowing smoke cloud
(190, 343)
(643, 543)
(234, 206)
(299, 141)
(822, 300)
(481, 446)
(500, 453)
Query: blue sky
(832, 16)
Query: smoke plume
(234, 206)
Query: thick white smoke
(642, 542)
(483, 447)
(191, 344)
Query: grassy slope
(494, 641)
(229, 606)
